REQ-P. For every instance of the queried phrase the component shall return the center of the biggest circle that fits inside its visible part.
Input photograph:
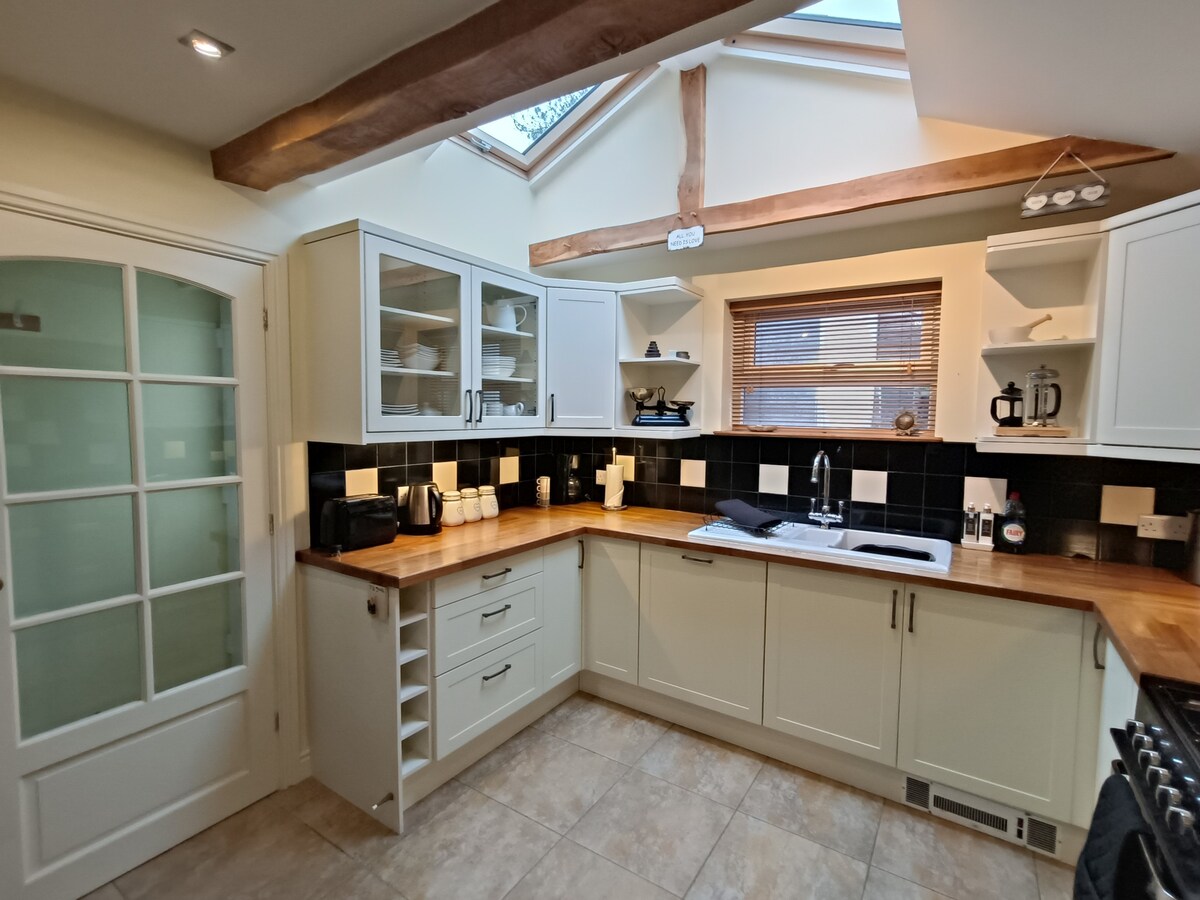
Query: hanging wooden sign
(685, 238)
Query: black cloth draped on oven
(1109, 867)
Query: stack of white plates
(399, 409)
(418, 356)
(497, 366)
(390, 357)
(492, 404)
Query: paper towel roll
(614, 486)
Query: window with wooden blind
(838, 361)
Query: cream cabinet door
(988, 694)
(610, 608)
(832, 667)
(561, 642)
(702, 629)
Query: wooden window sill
(843, 435)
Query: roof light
(205, 44)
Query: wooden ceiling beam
(982, 171)
(693, 84)
(506, 49)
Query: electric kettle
(418, 509)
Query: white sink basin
(841, 544)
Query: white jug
(503, 314)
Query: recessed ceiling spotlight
(205, 45)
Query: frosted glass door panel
(183, 329)
(189, 431)
(60, 433)
(79, 310)
(70, 552)
(196, 633)
(74, 668)
(193, 534)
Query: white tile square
(445, 475)
(510, 469)
(691, 473)
(628, 463)
(362, 481)
(985, 490)
(772, 479)
(1121, 505)
(867, 486)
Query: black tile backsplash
(925, 482)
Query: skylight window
(871, 13)
(523, 129)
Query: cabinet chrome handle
(1096, 648)
(582, 557)
(507, 666)
(895, 594)
(479, 400)
(551, 409)
(912, 611)
(469, 405)
(707, 562)
(387, 798)
(497, 574)
(505, 608)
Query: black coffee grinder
(661, 413)
(565, 486)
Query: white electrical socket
(1163, 528)
(601, 476)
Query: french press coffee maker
(1011, 395)
(1042, 397)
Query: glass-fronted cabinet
(507, 352)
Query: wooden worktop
(1152, 615)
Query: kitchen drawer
(477, 695)
(472, 626)
(487, 577)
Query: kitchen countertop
(1152, 615)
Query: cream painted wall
(959, 266)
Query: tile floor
(598, 801)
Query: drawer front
(472, 626)
(487, 577)
(474, 697)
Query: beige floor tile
(814, 807)
(1056, 881)
(106, 892)
(950, 859)
(467, 848)
(363, 885)
(883, 885)
(576, 872)
(602, 727)
(655, 829)
(754, 859)
(552, 781)
(717, 770)
(342, 824)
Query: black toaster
(350, 523)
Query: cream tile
(867, 486)
(883, 885)
(628, 462)
(985, 490)
(950, 859)
(471, 848)
(362, 481)
(814, 807)
(1056, 881)
(655, 829)
(552, 781)
(107, 892)
(342, 824)
(602, 727)
(772, 479)
(510, 469)
(714, 769)
(691, 473)
(445, 475)
(1121, 505)
(573, 871)
(754, 859)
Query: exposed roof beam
(692, 88)
(953, 176)
(508, 48)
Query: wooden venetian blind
(844, 360)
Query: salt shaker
(489, 505)
(452, 508)
(470, 501)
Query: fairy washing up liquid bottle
(1012, 532)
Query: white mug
(503, 314)
(514, 409)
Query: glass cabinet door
(508, 351)
(417, 335)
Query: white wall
(959, 266)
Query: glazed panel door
(136, 690)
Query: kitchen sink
(853, 546)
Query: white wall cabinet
(1150, 365)
(582, 358)
(988, 697)
(701, 636)
(611, 589)
(832, 663)
(562, 611)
